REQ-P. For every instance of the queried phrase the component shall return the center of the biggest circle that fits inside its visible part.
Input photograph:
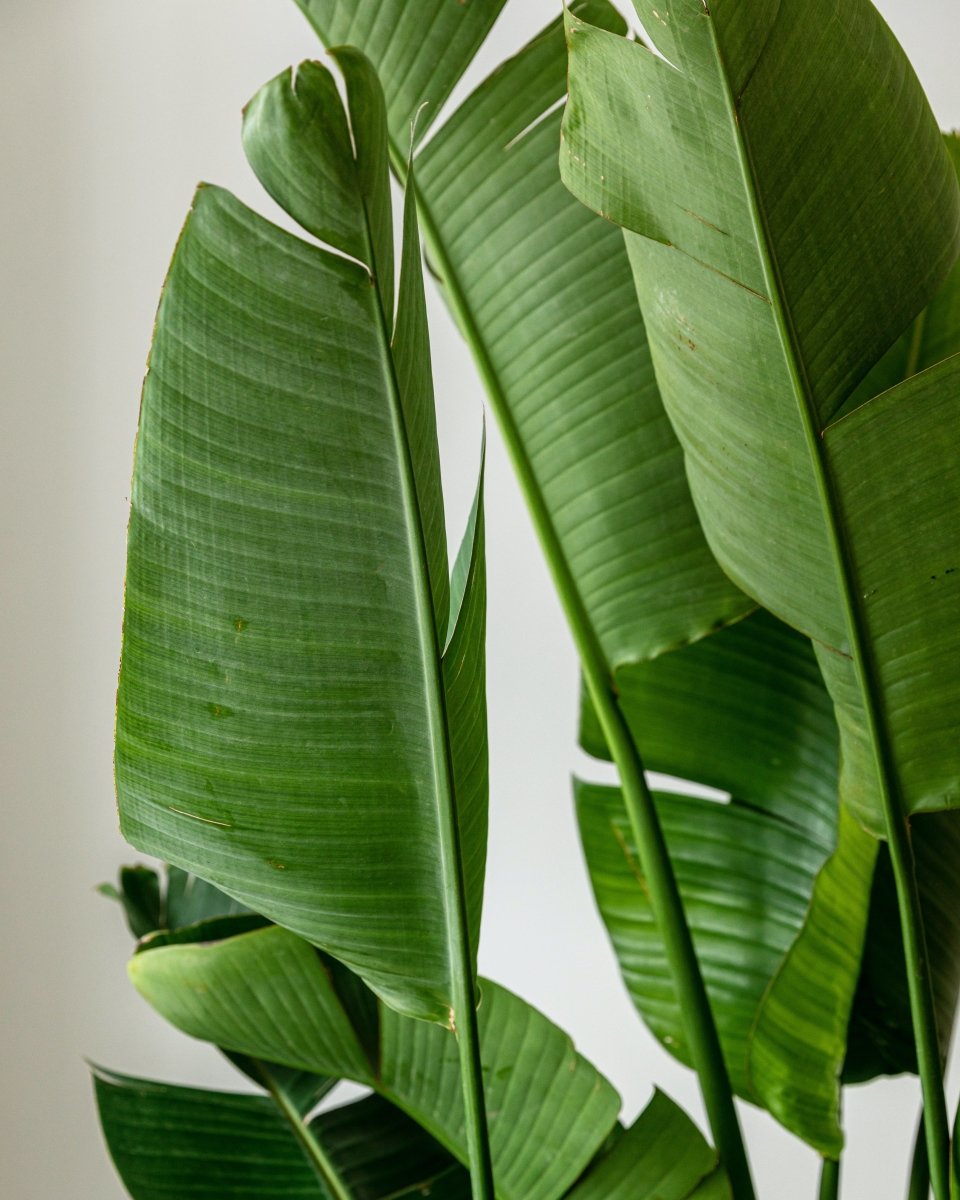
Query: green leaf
(881, 1033)
(139, 893)
(283, 721)
(544, 296)
(549, 1110)
(933, 336)
(662, 1154)
(419, 52)
(793, 222)
(905, 560)
(775, 889)
(168, 1142)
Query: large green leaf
(543, 293)
(420, 51)
(793, 218)
(285, 729)
(270, 995)
(776, 888)
(661, 1155)
(169, 1142)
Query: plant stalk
(311, 1147)
(463, 1016)
(699, 1025)
(919, 1187)
(829, 1179)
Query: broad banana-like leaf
(420, 51)
(542, 291)
(289, 725)
(746, 711)
(270, 995)
(932, 337)
(168, 1142)
(662, 1154)
(792, 208)
(776, 887)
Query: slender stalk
(895, 821)
(463, 1015)
(829, 1179)
(699, 1025)
(919, 1187)
(311, 1147)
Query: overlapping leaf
(771, 882)
(268, 994)
(168, 1142)
(791, 225)
(283, 723)
(543, 293)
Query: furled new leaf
(284, 728)
(791, 223)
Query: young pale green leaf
(662, 1154)
(756, 182)
(283, 727)
(544, 296)
(168, 1142)
(549, 1110)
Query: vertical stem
(699, 1025)
(697, 1017)
(471, 1078)
(829, 1179)
(919, 1187)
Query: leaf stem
(919, 1186)
(895, 820)
(314, 1151)
(699, 1025)
(462, 981)
(829, 1179)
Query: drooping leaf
(787, 223)
(776, 889)
(282, 727)
(543, 294)
(662, 1154)
(168, 1142)
(549, 1110)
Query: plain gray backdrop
(111, 111)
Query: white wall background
(110, 111)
